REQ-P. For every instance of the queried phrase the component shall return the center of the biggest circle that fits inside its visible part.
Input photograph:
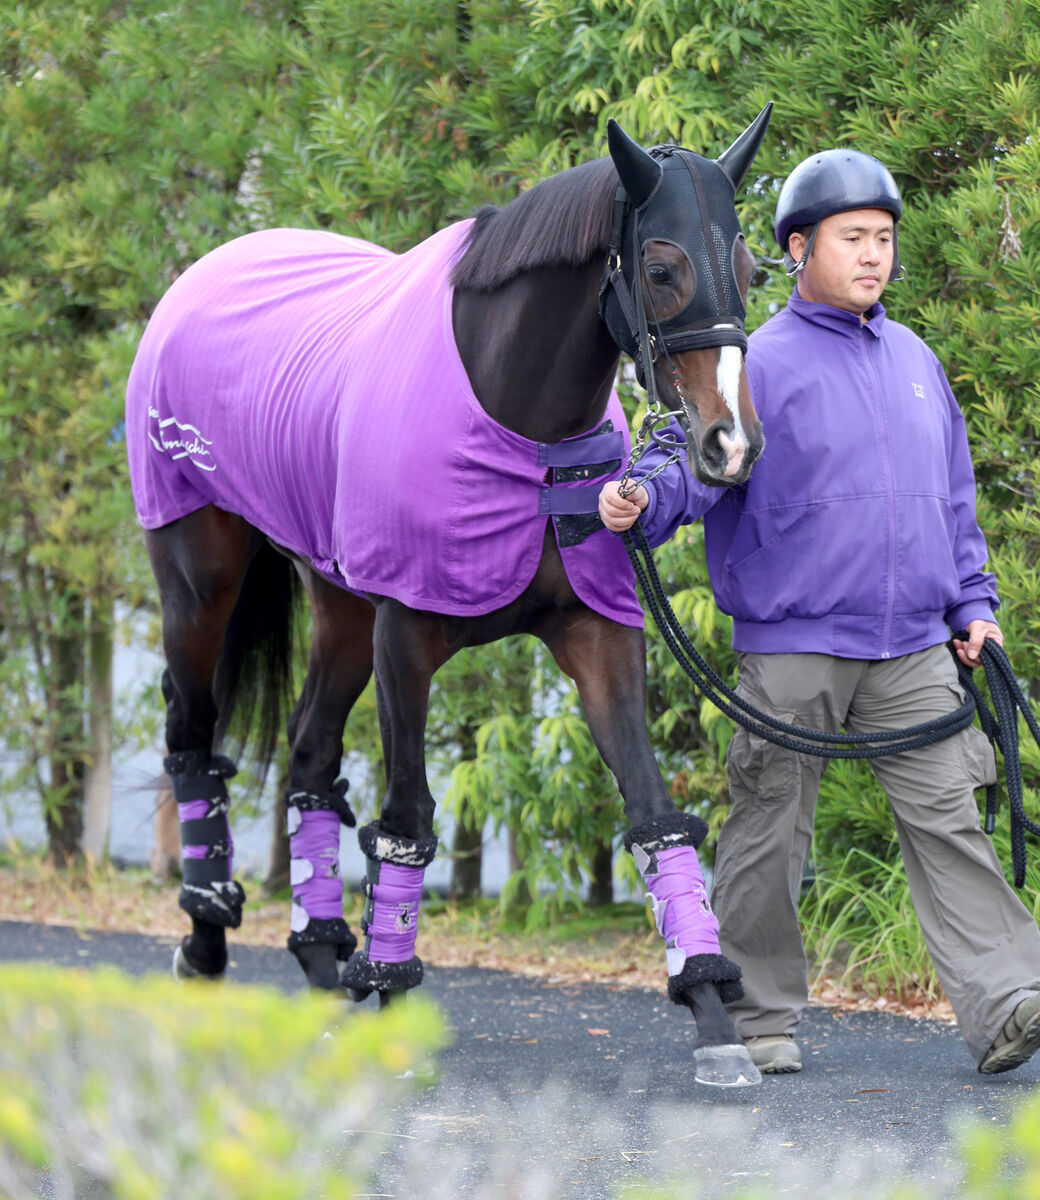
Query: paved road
(552, 1090)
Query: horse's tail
(253, 686)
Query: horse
(419, 440)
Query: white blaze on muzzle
(727, 376)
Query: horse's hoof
(183, 970)
(360, 994)
(725, 1066)
(320, 965)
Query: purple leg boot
(314, 821)
(387, 962)
(665, 850)
(208, 893)
(699, 974)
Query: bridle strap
(727, 333)
(648, 351)
(642, 345)
(613, 278)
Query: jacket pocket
(812, 561)
(926, 571)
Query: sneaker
(775, 1053)
(1018, 1040)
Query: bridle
(712, 317)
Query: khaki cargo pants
(983, 942)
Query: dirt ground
(449, 935)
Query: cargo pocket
(977, 757)
(980, 763)
(759, 771)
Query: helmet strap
(794, 267)
(898, 271)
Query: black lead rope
(1000, 727)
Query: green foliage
(1002, 1166)
(860, 922)
(135, 1089)
(527, 763)
(117, 172)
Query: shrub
(142, 1089)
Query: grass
(861, 932)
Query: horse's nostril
(724, 452)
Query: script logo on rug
(170, 437)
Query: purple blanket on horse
(310, 383)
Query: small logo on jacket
(170, 437)
(918, 390)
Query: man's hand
(968, 652)
(619, 512)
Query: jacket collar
(838, 319)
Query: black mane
(561, 222)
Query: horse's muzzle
(724, 455)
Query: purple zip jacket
(856, 534)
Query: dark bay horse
(421, 439)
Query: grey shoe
(1018, 1040)
(775, 1053)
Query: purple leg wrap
(208, 892)
(393, 889)
(392, 913)
(314, 821)
(314, 868)
(680, 903)
(207, 819)
(665, 851)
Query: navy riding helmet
(830, 182)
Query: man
(845, 561)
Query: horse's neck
(539, 359)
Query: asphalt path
(553, 1089)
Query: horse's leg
(339, 668)
(199, 563)
(409, 646)
(607, 662)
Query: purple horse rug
(311, 383)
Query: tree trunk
(97, 805)
(166, 857)
(601, 885)
(467, 859)
(276, 876)
(523, 897)
(64, 811)
(467, 852)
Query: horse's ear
(736, 160)
(640, 172)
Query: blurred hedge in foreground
(994, 1162)
(129, 1089)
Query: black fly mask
(669, 194)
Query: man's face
(850, 261)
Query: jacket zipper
(886, 446)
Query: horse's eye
(658, 273)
